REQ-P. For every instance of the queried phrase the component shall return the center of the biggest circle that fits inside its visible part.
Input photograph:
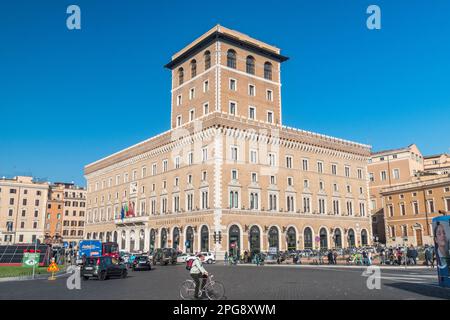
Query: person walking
(428, 256)
(198, 274)
(335, 256)
(225, 261)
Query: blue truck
(89, 248)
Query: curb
(339, 266)
(29, 278)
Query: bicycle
(214, 290)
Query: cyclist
(198, 274)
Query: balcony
(132, 221)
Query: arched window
(364, 237)
(180, 76)
(351, 238)
(152, 239)
(234, 240)
(250, 65)
(132, 240)
(337, 238)
(193, 68)
(255, 240)
(176, 238)
(268, 71)
(273, 238)
(189, 240)
(204, 243)
(207, 60)
(307, 236)
(231, 59)
(291, 239)
(163, 238)
(323, 238)
(141, 239)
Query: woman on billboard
(441, 248)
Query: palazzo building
(229, 174)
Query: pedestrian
(257, 259)
(335, 255)
(225, 261)
(414, 255)
(428, 256)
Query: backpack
(189, 264)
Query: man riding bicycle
(198, 274)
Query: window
(347, 171)
(349, 208)
(272, 202)
(289, 181)
(290, 203)
(336, 207)
(254, 200)
(391, 210)
(234, 153)
(268, 71)
(253, 156)
(191, 115)
(334, 169)
(190, 202)
(191, 93)
(231, 59)
(165, 165)
(431, 206)
(402, 209)
(306, 184)
(383, 175)
(144, 172)
(305, 164)
(415, 206)
(273, 180)
(322, 206)
(190, 158)
(270, 116)
(362, 209)
(154, 171)
(371, 177)
(232, 108)
(252, 113)
(234, 174)
(251, 90)
(272, 160)
(177, 162)
(234, 199)
(269, 95)
(289, 162)
(396, 174)
(193, 68)
(320, 167)
(232, 85)
(178, 121)
(180, 76)
(254, 177)
(204, 199)
(179, 100)
(250, 65)
(205, 109)
(206, 86)
(392, 229)
(205, 154)
(306, 205)
(207, 58)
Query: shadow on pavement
(431, 291)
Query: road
(243, 283)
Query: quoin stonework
(228, 173)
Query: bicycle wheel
(187, 290)
(215, 290)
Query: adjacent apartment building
(410, 208)
(228, 175)
(66, 213)
(386, 169)
(22, 210)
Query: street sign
(30, 259)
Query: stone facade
(230, 175)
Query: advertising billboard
(441, 237)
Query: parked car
(209, 257)
(270, 259)
(182, 258)
(103, 268)
(165, 256)
(142, 263)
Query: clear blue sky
(386, 88)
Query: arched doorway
(115, 237)
(323, 238)
(274, 238)
(152, 239)
(108, 237)
(132, 240)
(189, 240)
(308, 238)
(141, 240)
(101, 236)
(337, 238)
(234, 240)
(176, 238)
(163, 238)
(364, 241)
(123, 242)
(291, 237)
(419, 237)
(204, 239)
(351, 238)
(255, 240)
